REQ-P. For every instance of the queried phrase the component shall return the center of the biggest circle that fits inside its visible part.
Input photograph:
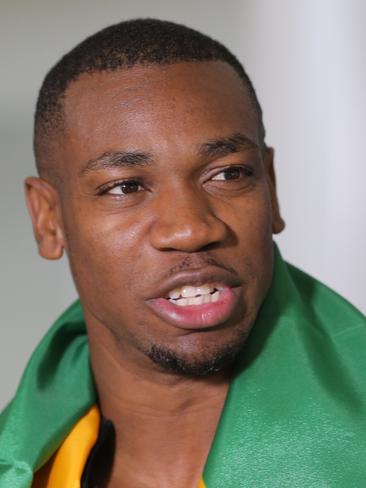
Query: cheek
(103, 253)
(251, 223)
(250, 219)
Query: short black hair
(122, 46)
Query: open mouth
(196, 307)
(198, 299)
(189, 295)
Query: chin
(200, 362)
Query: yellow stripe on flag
(65, 468)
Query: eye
(122, 188)
(233, 173)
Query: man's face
(167, 210)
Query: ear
(278, 224)
(43, 206)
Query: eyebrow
(222, 146)
(117, 159)
(217, 147)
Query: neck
(163, 422)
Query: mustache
(197, 261)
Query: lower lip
(196, 316)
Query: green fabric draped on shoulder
(56, 389)
(295, 415)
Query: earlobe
(43, 207)
(278, 224)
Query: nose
(186, 222)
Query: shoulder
(326, 305)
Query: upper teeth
(191, 291)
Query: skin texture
(189, 211)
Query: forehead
(155, 108)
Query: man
(212, 362)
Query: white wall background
(307, 60)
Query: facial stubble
(207, 362)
